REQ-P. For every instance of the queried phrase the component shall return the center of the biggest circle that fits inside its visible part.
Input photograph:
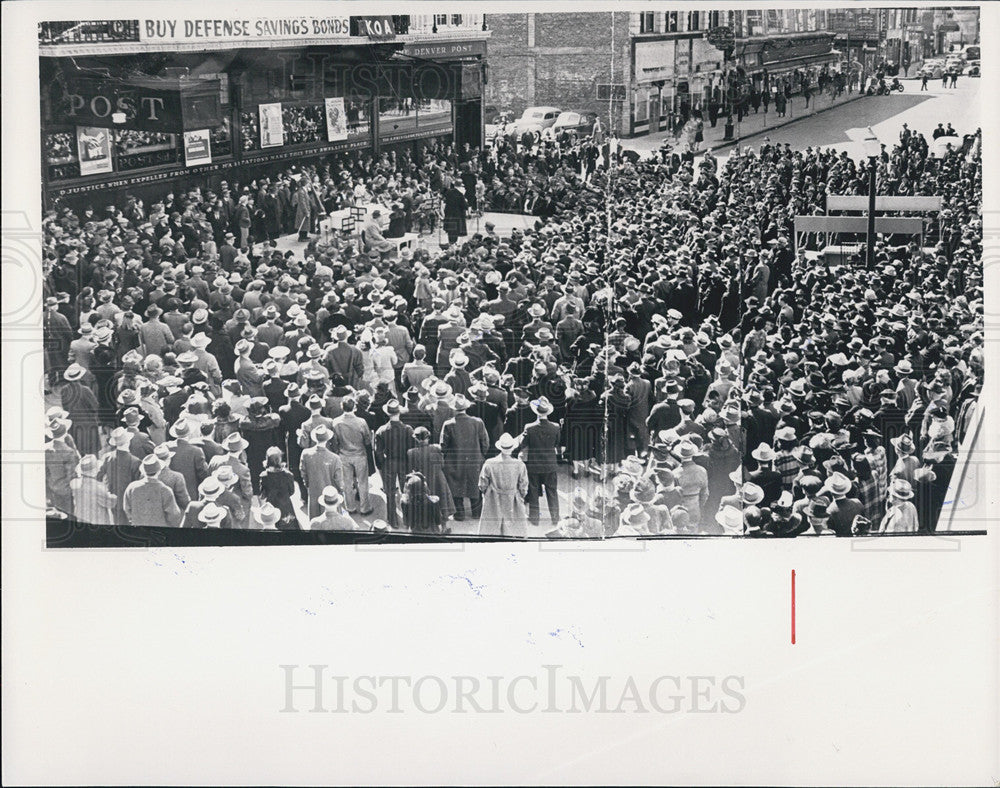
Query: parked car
(934, 69)
(974, 68)
(536, 119)
(577, 124)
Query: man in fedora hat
(92, 503)
(465, 443)
(393, 440)
(692, 479)
(119, 469)
(148, 501)
(209, 491)
(354, 441)
(172, 479)
(344, 359)
(503, 483)
(61, 460)
(333, 516)
(901, 515)
(319, 468)
(539, 445)
(235, 446)
(765, 476)
(843, 509)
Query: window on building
(440, 19)
(714, 18)
(672, 21)
(694, 20)
(646, 22)
(456, 20)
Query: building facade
(648, 71)
(137, 102)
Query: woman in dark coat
(81, 405)
(582, 429)
(276, 487)
(421, 509)
(262, 431)
(455, 206)
(428, 460)
(616, 404)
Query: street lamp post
(872, 150)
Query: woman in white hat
(92, 502)
(503, 482)
(901, 516)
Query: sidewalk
(752, 124)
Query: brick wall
(572, 53)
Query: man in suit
(343, 358)
(247, 372)
(119, 469)
(447, 338)
(640, 393)
(188, 460)
(172, 479)
(148, 501)
(354, 441)
(539, 442)
(235, 446)
(293, 415)
(208, 493)
(465, 443)
(392, 441)
(319, 468)
(765, 477)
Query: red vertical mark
(793, 607)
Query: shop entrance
(469, 122)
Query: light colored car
(536, 119)
(933, 69)
(974, 68)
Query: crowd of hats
(665, 258)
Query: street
(922, 111)
(826, 127)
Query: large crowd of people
(653, 347)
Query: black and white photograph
(418, 383)
(730, 285)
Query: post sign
(142, 107)
(197, 147)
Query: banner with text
(94, 148)
(197, 147)
(272, 126)
(336, 120)
(242, 30)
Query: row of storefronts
(138, 104)
(675, 75)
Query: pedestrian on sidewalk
(923, 80)
(954, 78)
